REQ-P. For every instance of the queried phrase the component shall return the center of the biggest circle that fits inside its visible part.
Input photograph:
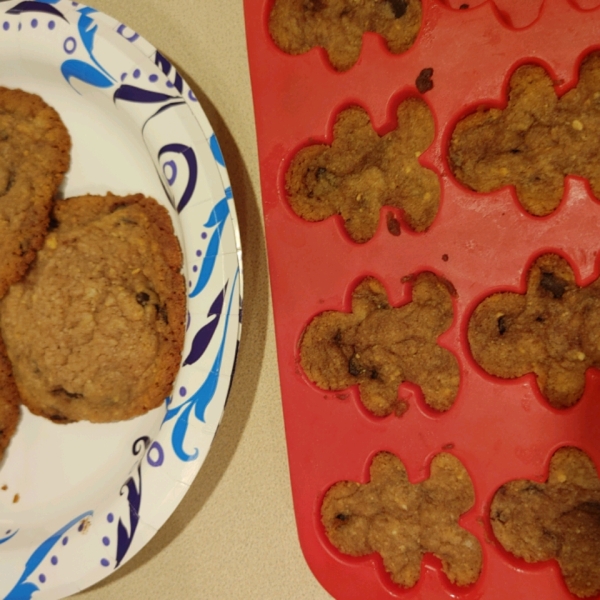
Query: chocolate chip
(53, 223)
(314, 5)
(10, 181)
(118, 206)
(342, 517)
(321, 172)
(398, 7)
(534, 488)
(424, 82)
(60, 391)
(591, 508)
(553, 284)
(502, 325)
(162, 311)
(58, 418)
(337, 338)
(393, 224)
(374, 374)
(514, 151)
(499, 516)
(540, 319)
(142, 298)
(354, 367)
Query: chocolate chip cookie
(34, 156)
(361, 172)
(558, 519)
(296, 26)
(378, 346)
(553, 330)
(536, 141)
(95, 329)
(402, 521)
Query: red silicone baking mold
(500, 430)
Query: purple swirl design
(197, 403)
(165, 66)
(131, 93)
(134, 498)
(190, 157)
(205, 334)
(30, 6)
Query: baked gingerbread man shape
(338, 26)
(402, 521)
(553, 330)
(361, 172)
(536, 141)
(378, 346)
(558, 519)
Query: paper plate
(78, 501)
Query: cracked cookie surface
(553, 330)
(402, 521)
(378, 346)
(536, 141)
(296, 26)
(558, 519)
(361, 172)
(34, 156)
(95, 329)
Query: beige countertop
(234, 534)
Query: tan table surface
(234, 534)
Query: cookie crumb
(393, 224)
(401, 408)
(16, 498)
(463, 7)
(424, 82)
(4, 487)
(445, 257)
(84, 525)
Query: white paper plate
(78, 501)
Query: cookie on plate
(34, 156)
(296, 26)
(95, 330)
(9, 402)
